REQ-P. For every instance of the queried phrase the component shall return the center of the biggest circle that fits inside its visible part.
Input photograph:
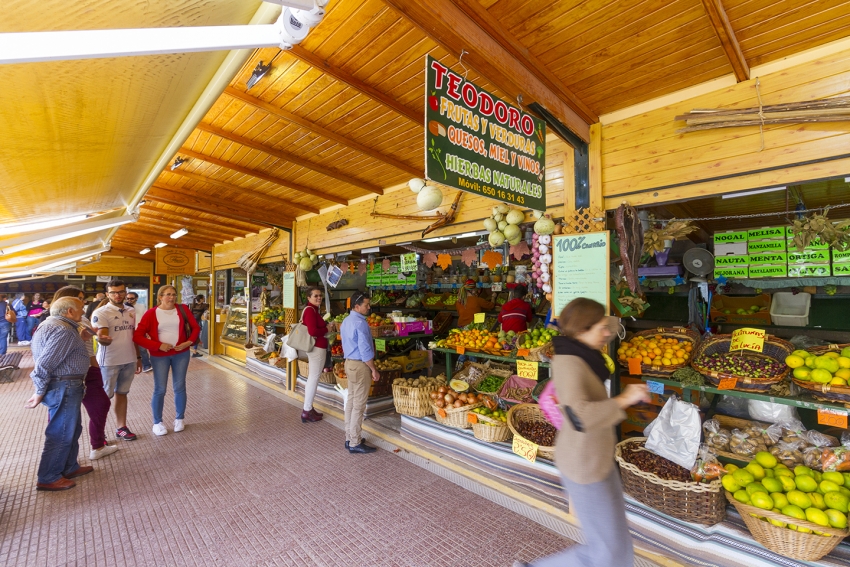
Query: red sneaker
(125, 434)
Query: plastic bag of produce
(746, 443)
(707, 467)
(716, 437)
(835, 459)
(287, 351)
(766, 411)
(789, 454)
(788, 430)
(675, 433)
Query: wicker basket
(415, 402)
(303, 368)
(327, 378)
(382, 331)
(774, 349)
(819, 350)
(679, 333)
(826, 392)
(789, 543)
(490, 433)
(442, 322)
(530, 412)
(534, 353)
(499, 370)
(454, 417)
(689, 501)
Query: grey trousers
(601, 509)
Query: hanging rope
(761, 112)
(756, 215)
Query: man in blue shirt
(61, 364)
(359, 350)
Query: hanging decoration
(492, 259)
(352, 267)
(424, 251)
(429, 259)
(815, 226)
(361, 270)
(385, 265)
(503, 224)
(440, 218)
(344, 267)
(469, 256)
(337, 223)
(591, 219)
(520, 250)
(630, 233)
(444, 261)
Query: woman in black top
(199, 305)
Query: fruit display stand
(450, 353)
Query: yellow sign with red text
(748, 339)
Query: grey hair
(60, 307)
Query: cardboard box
(722, 303)
(809, 257)
(762, 246)
(730, 237)
(732, 272)
(731, 260)
(769, 271)
(733, 248)
(772, 258)
(841, 269)
(808, 270)
(415, 360)
(414, 328)
(839, 257)
(766, 233)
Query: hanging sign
(408, 262)
(479, 317)
(747, 338)
(175, 261)
(288, 290)
(381, 345)
(580, 264)
(527, 369)
(478, 143)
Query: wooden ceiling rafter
(192, 220)
(176, 197)
(450, 26)
(283, 183)
(728, 40)
(289, 157)
(321, 131)
(144, 241)
(169, 227)
(161, 237)
(121, 251)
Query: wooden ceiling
(339, 117)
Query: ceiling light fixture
(438, 239)
(756, 192)
(182, 232)
(144, 251)
(374, 250)
(260, 71)
(160, 245)
(178, 161)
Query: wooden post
(569, 182)
(595, 158)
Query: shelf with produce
(451, 352)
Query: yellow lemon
(779, 499)
(803, 373)
(816, 516)
(837, 520)
(795, 361)
(766, 460)
(843, 362)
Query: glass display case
(236, 325)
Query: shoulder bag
(11, 317)
(187, 327)
(299, 337)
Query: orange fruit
(646, 360)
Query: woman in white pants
(318, 328)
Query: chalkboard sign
(580, 268)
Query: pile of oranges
(655, 351)
(471, 339)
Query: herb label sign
(478, 143)
(408, 262)
(747, 338)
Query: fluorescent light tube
(160, 245)
(374, 250)
(144, 251)
(438, 239)
(179, 233)
(756, 192)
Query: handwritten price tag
(381, 345)
(655, 387)
(496, 287)
(441, 412)
(634, 366)
(748, 339)
(525, 448)
(461, 350)
(522, 352)
(727, 384)
(472, 417)
(832, 418)
(479, 317)
(527, 369)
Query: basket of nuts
(528, 422)
(667, 487)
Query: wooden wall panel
(644, 154)
(226, 255)
(117, 266)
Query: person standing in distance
(133, 301)
(61, 363)
(93, 304)
(119, 361)
(359, 351)
(6, 313)
(19, 306)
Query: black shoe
(361, 448)
(196, 355)
(362, 441)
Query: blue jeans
(204, 332)
(32, 323)
(4, 335)
(146, 358)
(179, 364)
(62, 436)
(21, 329)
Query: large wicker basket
(819, 350)
(689, 501)
(383, 331)
(530, 412)
(498, 431)
(454, 417)
(324, 377)
(774, 348)
(678, 333)
(327, 378)
(415, 402)
(790, 543)
(826, 392)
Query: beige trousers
(359, 384)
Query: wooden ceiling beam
(726, 34)
(171, 227)
(129, 233)
(292, 158)
(270, 178)
(450, 26)
(117, 250)
(230, 187)
(168, 196)
(417, 117)
(321, 131)
(228, 224)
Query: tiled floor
(245, 484)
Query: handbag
(11, 317)
(187, 327)
(299, 336)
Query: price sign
(655, 387)
(496, 286)
(442, 413)
(527, 369)
(833, 418)
(727, 383)
(524, 448)
(634, 366)
(749, 339)
(472, 417)
(479, 317)
(522, 352)
(381, 345)
(461, 350)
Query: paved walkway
(245, 484)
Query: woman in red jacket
(318, 328)
(167, 332)
(516, 314)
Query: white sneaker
(178, 425)
(102, 452)
(159, 429)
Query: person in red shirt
(318, 328)
(516, 314)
